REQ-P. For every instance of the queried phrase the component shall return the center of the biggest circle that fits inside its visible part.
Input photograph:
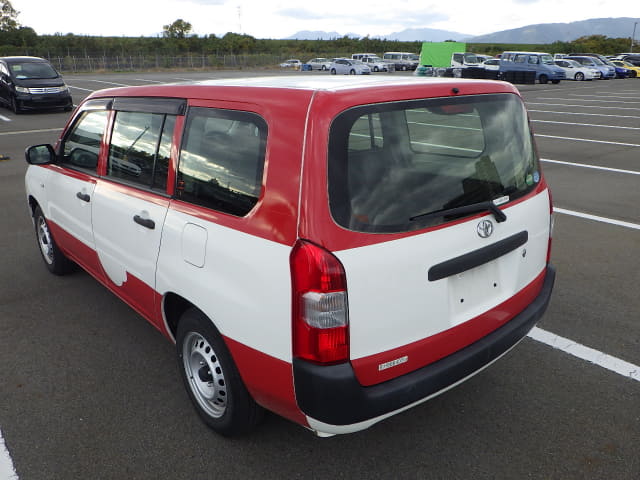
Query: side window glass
(140, 148)
(222, 160)
(82, 145)
(366, 134)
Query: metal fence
(73, 64)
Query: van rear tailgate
(396, 312)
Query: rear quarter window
(222, 160)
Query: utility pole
(633, 37)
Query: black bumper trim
(332, 394)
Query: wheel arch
(173, 307)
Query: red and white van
(334, 250)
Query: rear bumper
(332, 395)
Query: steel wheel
(55, 261)
(579, 76)
(44, 240)
(211, 377)
(205, 374)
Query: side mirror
(40, 155)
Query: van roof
(24, 59)
(340, 83)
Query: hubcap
(205, 375)
(44, 240)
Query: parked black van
(32, 83)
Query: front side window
(222, 160)
(81, 146)
(403, 166)
(140, 148)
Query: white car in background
(491, 64)
(319, 63)
(575, 71)
(291, 63)
(347, 66)
(376, 64)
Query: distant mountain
(540, 33)
(563, 32)
(408, 35)
(426, 35)
(319, 35)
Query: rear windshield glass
(398, 167)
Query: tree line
(176, 40)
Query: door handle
(83, 196)
(145, 222)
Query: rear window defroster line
(477, 257)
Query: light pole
(633, 37)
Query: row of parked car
(344, 66)
(585, 66)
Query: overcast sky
(283, 18)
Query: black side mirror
(40, 155)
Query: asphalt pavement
(89, 390)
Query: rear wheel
(323, 68)
(352, 72)
(376, 69)
(579, 76)
(333, 71)
(211, 377)
(55, 261)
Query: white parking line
(596, 167)
(604, 96)
(589, 140)
(597, 218)
(587, 124)
(110, 83)
(32, 131)
(145, 80)
(580, 106)
(4, 119)
(586, 114)
(603, 360)
(7, 472)
(83, 89)
(584, 100)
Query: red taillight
(320, 318)
(551, 224)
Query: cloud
(302, 14)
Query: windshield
(32, 70)
(403, 166)
(546, 59)
(470, 58)
(598, 61)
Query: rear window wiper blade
(473, 208)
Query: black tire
(55, 261)
(404, 68)
(333, 71)
(376, 69)
(579, 76)
(543, 79)
(323, 68)
(14, 105)
(212, 379)
(555, 82)
(352, 72)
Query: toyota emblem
(485, 228)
